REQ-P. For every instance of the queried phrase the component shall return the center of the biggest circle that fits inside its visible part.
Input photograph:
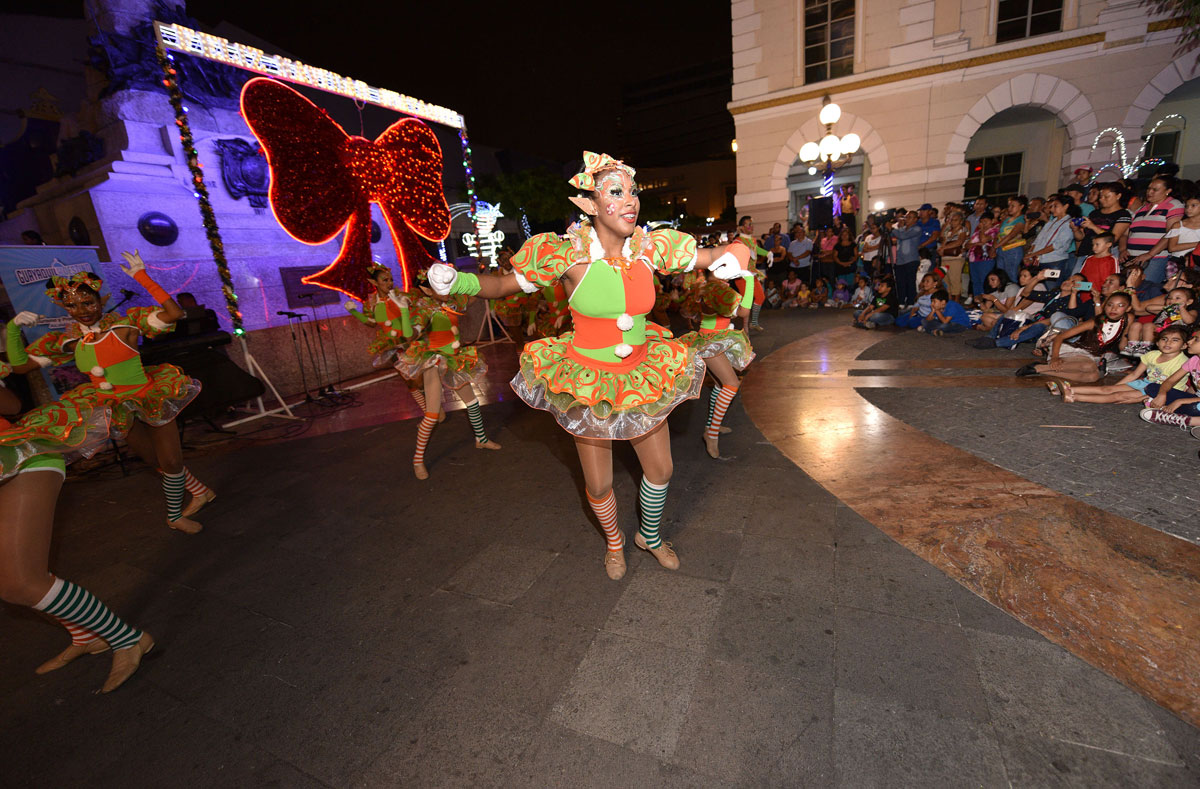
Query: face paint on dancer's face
(83, 306)
(617, 203)
(384, 282)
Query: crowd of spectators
(1098, 278)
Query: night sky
(539, 77)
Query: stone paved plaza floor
(338, 623)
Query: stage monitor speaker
(820, 212)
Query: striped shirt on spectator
(1150, 225)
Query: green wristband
(466, 283)
(14, 346)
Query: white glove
(770, 257)
(26, 319)
(726, 267)
(135, 262)
(441, 278)
(351, 306)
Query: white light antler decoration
(1126, 168)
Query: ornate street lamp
(832, 150)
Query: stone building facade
(931, 84)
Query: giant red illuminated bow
(322, 179)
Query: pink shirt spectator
(1150, 225)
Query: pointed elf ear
(585, 204)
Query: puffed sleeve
(720, 299)
(544, 258)
(672, 251)
(49, 346)
(147, 322)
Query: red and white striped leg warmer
(724, 398)
(424, 431)
(606, 512)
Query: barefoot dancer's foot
(197, 503)
(1068, 394)
(614, 564)
(489, 444)
(70, 653)
(126, 661)
(420, 471)
(665, 555)
(185, 525)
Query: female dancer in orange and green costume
(142, 402)
(745, 230)
(393, 313)
(616, 376)
(31, 474)
(723, 348)
(438, 357)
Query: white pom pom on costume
(105, 385)
(394, 333)
(623, 350)
(97, 371)
(625, 321)
(455, 345)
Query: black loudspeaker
(820, 212)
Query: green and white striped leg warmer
(652, 499)
(712, 403)
(476, 422)
(173, 486)
(754, 312)
(77, 605)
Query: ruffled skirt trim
(734, 344)
(73, 430)
(594, 403)
(156, 403)
(457, 369)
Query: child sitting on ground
(947, 316)
(1169, 403)
(791, 287)
(883, 308)
(1155, 368)
(862, 292)
(1179, 308)
(820, 293)
(841, 295)
(913, 317)
(1083, 361)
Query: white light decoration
(812, 170)
(487, 243)
(830, 146)
(1126, 168)
(733, 146)
(204, 45)
(830, 114)
(878, 205)
(850, 143)
(809, 152)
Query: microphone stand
(126, 295)
(328, 390)
(292, 317)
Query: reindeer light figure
(1126, 168)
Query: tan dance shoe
(420, 471)
(490, 444)
(185, 525)
(70, 653)
(723, 430)
(665, 555)
(126, 662)
(614, 564)
(197, 503)
(710, 446)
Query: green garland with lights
(171, 82)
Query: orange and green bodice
(611, 301)
(100, 353)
